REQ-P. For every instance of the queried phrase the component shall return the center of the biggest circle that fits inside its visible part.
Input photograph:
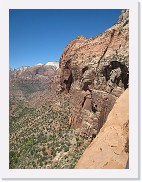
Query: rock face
(109, 150)
(95, 73)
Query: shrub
(43, 149)
(66, 148)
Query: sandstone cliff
(95, 72)
(109, 150)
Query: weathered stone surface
(95, 73)
(84, 54)
(109, 149)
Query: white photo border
(133, 171)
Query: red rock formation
(98, 67)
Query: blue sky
(39, 36)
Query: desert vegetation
(42, 138)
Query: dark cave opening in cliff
(106, 72)
(85, 87)
(93, 108)
(115, 64)
(124, 77)
(68, 82)
(84, 69)
(83, 101)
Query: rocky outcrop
(95, 53)
(95, 72)
(109, 150)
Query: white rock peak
(39, 64)
(53, 63)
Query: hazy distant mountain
(29, 79)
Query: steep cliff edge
(95, 72)
(109, 150)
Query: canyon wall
(95, 72)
